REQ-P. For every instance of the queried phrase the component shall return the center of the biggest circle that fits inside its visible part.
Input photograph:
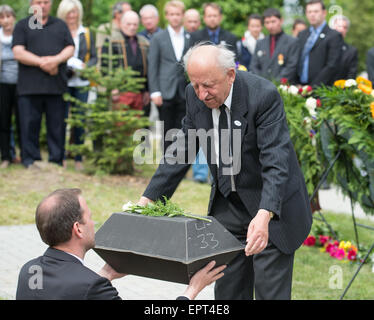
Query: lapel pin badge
(322, 36)
(237, 123)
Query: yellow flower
(341, 244)
(372, 109)
(347, 246)
(340, 84)
(365, 88)
(364, 81)
(242, 68)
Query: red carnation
(319, 103)
(323, 239)
(352, 255)
(309, 89)
(310, 241)
(284, 81)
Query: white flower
(311, 105)
(283, 88)
(293, 90)
(350, 83)
(127, 206)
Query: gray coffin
(163, 248)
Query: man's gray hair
(148, 7)
(225, 57)
(336, 18)
(117, 8)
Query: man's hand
(49, 64)
(146, 98)
(108, 272)
(258, 233)
(144, 201)
(203, 278)
(157, 101)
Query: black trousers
(171, 113)
(31, 109)
(263, 276)
(8, 104)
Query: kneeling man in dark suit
(64, 222)
(258, 190)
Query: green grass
(21, 190)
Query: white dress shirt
(177, 40)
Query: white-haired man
(130, 50)
(258, 191)
(150, 18)
(349, 58)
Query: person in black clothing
(320, 53)
(370, 64)
(276, 56)
(349, 60)
(213, 32)
(42, 51)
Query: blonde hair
(66, 6)
(176, 4)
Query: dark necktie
(224, 179)
(272, 46)
(133, 45)
(214, 37)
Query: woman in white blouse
(71, 12)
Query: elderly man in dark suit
(321, 48)
(258, 191)
(276, 56)
(213, 32)
(349, 60)
(166, 77)
(64, 222)
(370, 64)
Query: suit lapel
(186, 42)
(239, 109)
(321, 37)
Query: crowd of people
(41, 61)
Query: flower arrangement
(301, 111)
(338, 250)
(346, 123)
(326, 120)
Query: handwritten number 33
(204, 244)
